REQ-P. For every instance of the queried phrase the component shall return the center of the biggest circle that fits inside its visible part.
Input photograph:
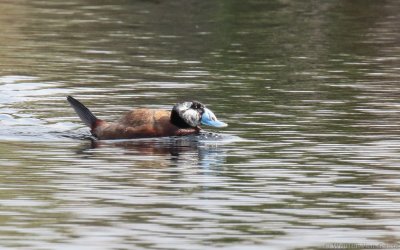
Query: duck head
(193, 114)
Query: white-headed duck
(184, 119)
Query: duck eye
(196, 105)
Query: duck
(183, 119)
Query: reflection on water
(310, 91)
(203, 150)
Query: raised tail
(84, 113)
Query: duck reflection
(205, 150)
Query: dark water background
(310, 89)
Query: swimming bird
(184, 119)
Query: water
(309, 88)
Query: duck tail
(84, 113)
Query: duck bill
(208, 118)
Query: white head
(193, 114)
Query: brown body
(140, 123)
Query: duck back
(141, 123)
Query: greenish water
(310, 90)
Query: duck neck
(178, 121)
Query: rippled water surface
(310, 90)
